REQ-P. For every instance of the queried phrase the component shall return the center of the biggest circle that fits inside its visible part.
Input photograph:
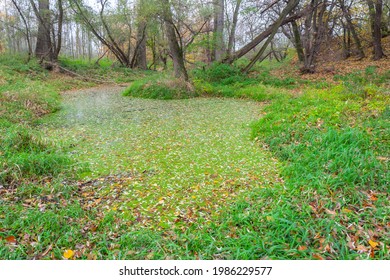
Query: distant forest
(150, 34)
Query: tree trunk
(139, 60)
(290, 6)
(140, 49)
(375, 10)
(351, 28)
(175, 49)
(314, 33)
(59, 31)
(219, 20)
(297, 41)
(232, 34)
(44, 48)
(259, 38)
(28, 38)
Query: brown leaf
(361, 248)
(302, 248)
(91, 256)
(47, 251)
(318, 257)
(330, 212)
(11, 239)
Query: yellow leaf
(269, 218)
(68, 254)
(373, 244)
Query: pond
(186, 158)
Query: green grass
(24, 98)
(336, 172)
(160, 87)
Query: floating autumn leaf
(11, 239)
(373, 244)
(68, 254)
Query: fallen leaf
(11, 239)
(330, 212)
(302, 248)
(373, 244)
(373, 197)
(47, 251)
(318, 257)
(68, 254)
(91, 256)
(361, 248)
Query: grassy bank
(27, 92)
(334, 147)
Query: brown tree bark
(297, 41)
(219, 21)
(351, 28)
(139, 59)
(233, 29)
(175, 49)
(59, 31)
(44, 48)
(259, 38)
(28, 35)
(375, 9)
(290, 6)
(314, 34)
(108, 41)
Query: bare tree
(290, 6)
(27, 29)
(351, 28)
(262, 36)
(232, 33)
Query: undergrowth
(222, 80)
(161, 87)
(25, 97)
(335, 152)
(104, 70)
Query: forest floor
(271, 175)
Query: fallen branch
(55, 65)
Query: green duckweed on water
(188, 159)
